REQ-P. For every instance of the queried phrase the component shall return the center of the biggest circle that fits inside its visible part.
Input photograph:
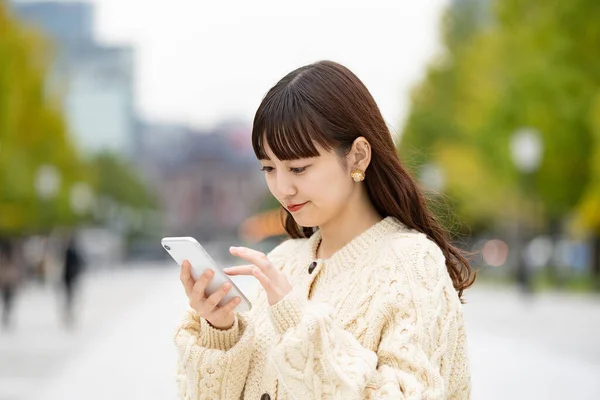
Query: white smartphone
(188, 248)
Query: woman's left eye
(298, 170)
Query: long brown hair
(326, 103)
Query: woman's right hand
(206, 307)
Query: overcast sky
(200, 62)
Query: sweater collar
(359, 245)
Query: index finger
(255, 257)
(186, 277)
(239, 270)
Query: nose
(284, 186)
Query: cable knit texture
(380, 319)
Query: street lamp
(526, 150)
(433, 177)
(47, 185)
(47, 181)
(81, 198)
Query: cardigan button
(312, 267)
(265, 396)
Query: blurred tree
(32, 134)
(125, 202)
(511, 64)
(517, 65)
(587, 217)
(554, 77)
(449, 111)
(116, 179)
(553, 73)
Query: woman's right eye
(267, 169)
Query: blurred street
(545, 348)
(122, 346)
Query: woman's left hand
(274, 282)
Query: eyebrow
(287, 161)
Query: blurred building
(208, 182)
(95, 82)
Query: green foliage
(115, 179)
(516, 64)
(32, 134)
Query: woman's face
(320, 186)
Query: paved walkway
(122, 348)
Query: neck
(350, 222)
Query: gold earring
(358, 175)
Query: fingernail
(236, 300)
(227, 286)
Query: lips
(296, 207)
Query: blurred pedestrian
(9, 280)
(73, 267)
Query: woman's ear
(360, 154)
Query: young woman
(364, 300)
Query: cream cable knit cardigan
(380, 319)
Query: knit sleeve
(317, 359)
(212, 363)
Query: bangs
(289, 126)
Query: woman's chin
(305, 221)
(300, 220)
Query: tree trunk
(596, 260)
(552, 269)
